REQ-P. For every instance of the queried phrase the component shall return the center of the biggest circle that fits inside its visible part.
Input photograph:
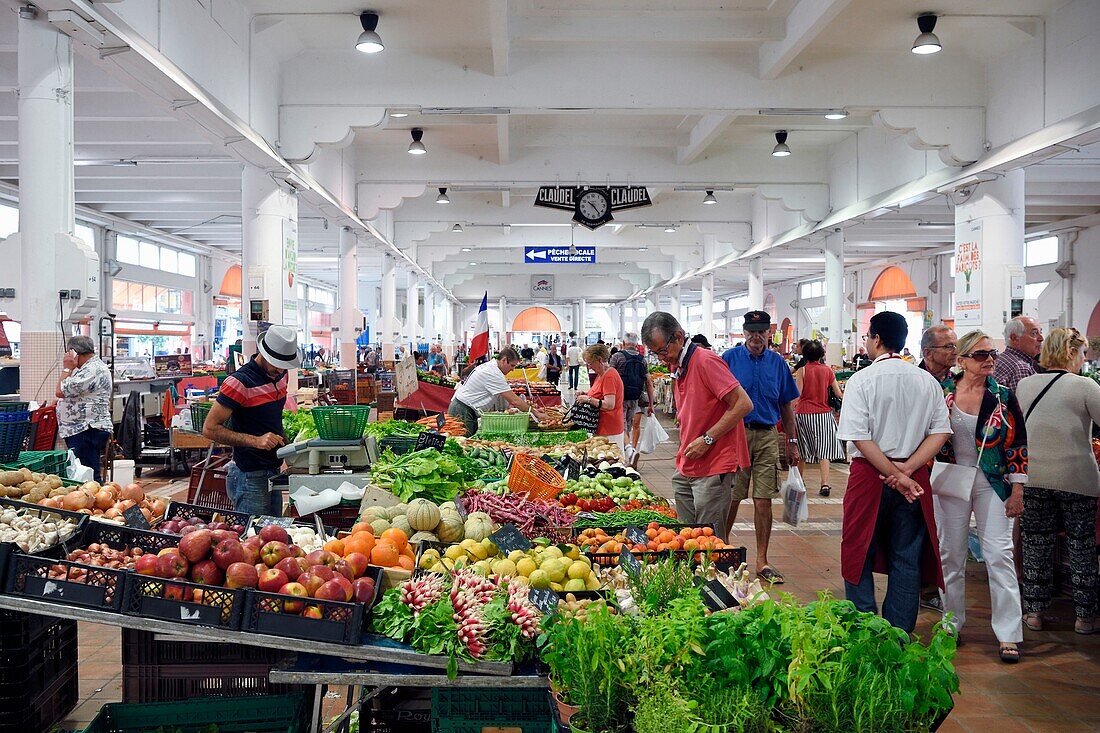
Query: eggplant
(604, 465)
(616, 471)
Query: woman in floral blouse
(84, 403)
(989, 434)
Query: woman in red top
(817, 440)
(607, 392)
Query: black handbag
(585, 417)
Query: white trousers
(995, 534)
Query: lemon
(427, 562)
(454, 552)
(516, 555)
(555, 570)
(525, 566)
(438, 568)
(578, 569)
(461, 563)
(520, 581)
(504, 567)
(552, 551)
(539, 580)
(591, 583)
(557, 587)
(479, 569)
(574, 584)
(574, 553)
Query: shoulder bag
(953, 481)
(1042, 394)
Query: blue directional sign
(559, 256)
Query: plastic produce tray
(183, 510)
(499, 422)
(38, 709)
(183, 601)
(144, 648)
(207, 485)
(58, 550)
(49, 461)
(34, 652)
(340, 422)
(12, 435)
(256, 714)
(457, 710)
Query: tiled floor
(1055, 689)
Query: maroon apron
(861, 502)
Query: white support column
(45, 121)
(621, 317)
(429, 327)
(368, 299)
(412, 311)
(582, 317)
(653, 303)
(502, 338)
(707, 303)
(989, 250)
(387, 331)
(674, 304)
(350, 316)
(834, 295)
(269, 253)
(756, 284)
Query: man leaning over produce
(254, 396)
(710, 405)
(486, 387)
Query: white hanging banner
(968, 273)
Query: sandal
(771, 575)
(1085, 627)
(1033, 621)
(1010, 653)
(825, 490)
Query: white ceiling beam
(804, 23)
(647, 28)
(501, 36)
(504, 139)
(708, 129)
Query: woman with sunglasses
(988, 434)
(1060, 407)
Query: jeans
(900, 529)
(574, 376)
(88, 447)
(251, 492)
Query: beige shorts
(764, 467)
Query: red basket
(207, 486)
(534, 477)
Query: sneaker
(932, 603)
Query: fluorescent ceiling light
(564, 226)
(369, 41)
(467, 249)
(934, 225)
(670, 228)
(836, 114)
(442, 197)
(416, 147)
(398, 115)
(473, 264)
(709, 198)
(644, 249)
(927, 42)
(112, 163)
(316, 259)
(781, 150)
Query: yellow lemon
(574, 553)
(578, 569)
(525, 566)
(516, 555)
(557, 587)
(539, 580)
(454, 552)
(555, 569)
(552, 551)
(591, 583)
(574, 584)
(504, 567)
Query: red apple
(197, 595)
(172, 565)
(208, 573)
(273, 553)
(241, 575)
(311, 582)
(331, 591)
(313, 612)
(169, 551)
(322, 557)
(227, 552)
(344, 569)
(363, 590)
(291, 567)
(274, 533)
(296, 551)
(146, 565)
(195, 546)
(218, 536)
(358, 562)
(174, 592)
(323, 571)
(294, 589)
(252, 546)
(345, 584)
(271, 580)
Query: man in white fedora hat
(254, 396)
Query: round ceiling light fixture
(781, 150)
(927, 42)
(709, 199)
(457, 229)
(416, 147)
(442, 197)
(670, 229)
(369, 40)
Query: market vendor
(84, 407)
(487, 389)
(254, 397)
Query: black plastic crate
(341, 623)
(38, 709)
(457, 710)
(182, 601)
(71, 583)
(36, 666)
(121, 537)
(169, 682)
(142, 647)
(729, 558)
(398, 710)
(58, 550)
(183, 510)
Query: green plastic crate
(457, 710)
(340, 422)
(501, 422)
(44, 461)
(255, 714)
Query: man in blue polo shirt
(254, 396)
(767, 380)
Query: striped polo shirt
(257, 404)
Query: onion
(147, 514)
(132, 492)
(124, 505)
(111, 513)
(92, 486)
(104, 499)
(159, 507)
(75, 501)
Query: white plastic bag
(652, 434)
(77, 471)
(795, 508)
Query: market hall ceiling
(682, 97)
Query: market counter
(428, 398)
(531, 374)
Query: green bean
(609, 520)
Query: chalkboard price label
(632, 564)
(460, 507)
(716, 596)
(429, 439)
(508, 538)
(569, 467)
(544, 599)
(263, 520)
(635, 536)
(134, 518)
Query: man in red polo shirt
(710, 405)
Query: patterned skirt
(817, 439)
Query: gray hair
(1014, 329)
(630, 339)
(661, 322)
(927, 339)
(82, 345)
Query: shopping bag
(795, 509)
(652, 434)
(77, 471)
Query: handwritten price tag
(134, 518)
(627, 560)
(508, 538)
(429, 439)
(544, 600)
(635, 536)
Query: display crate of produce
(184, 510)
(335, 622)
(399, 444)
(49, 461)
(207, 485)
(340, 422)
(37, 709)
(256, 714)
(57, 550)
(341, 517)
(502, 422)
(457, 710)
(725, 559)
(398, 710)
(182, 601)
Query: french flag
(479, 347)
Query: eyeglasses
(664, 349)
(948, 347)
(982, 355)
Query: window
(186, 264)
(131, 296)
(9, 220)
(719, 306)
(1041, 251)
(1032, 291)
(733, 304)
(815, 289)
(126, 250)
(86, 233)
(132, 251)
(169, 260)
(150, 255)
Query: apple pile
(267, 562)
(182, 526)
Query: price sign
(584, 457)
(429, 439)
(544, 599)
(460, 507)
(627, 560)
(568, 467)
(508, 538)
(263, 520)
(635, 536)
(716, 596)
(440, 420)
(134, 518)
(586, 515)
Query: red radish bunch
(416, 593)
(524, 614)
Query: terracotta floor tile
(1060, 726)
(1033, 706)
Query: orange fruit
(362, 527)
(409, 552)
(399, 539)
(653, 525)
(685, 532)
(651, 532)
(708, 531)
(385, 554)
(406, 563)
(335, 546)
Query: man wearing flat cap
(767, 380)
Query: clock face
(593, 205)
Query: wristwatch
(707, 439)
(792, 440)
